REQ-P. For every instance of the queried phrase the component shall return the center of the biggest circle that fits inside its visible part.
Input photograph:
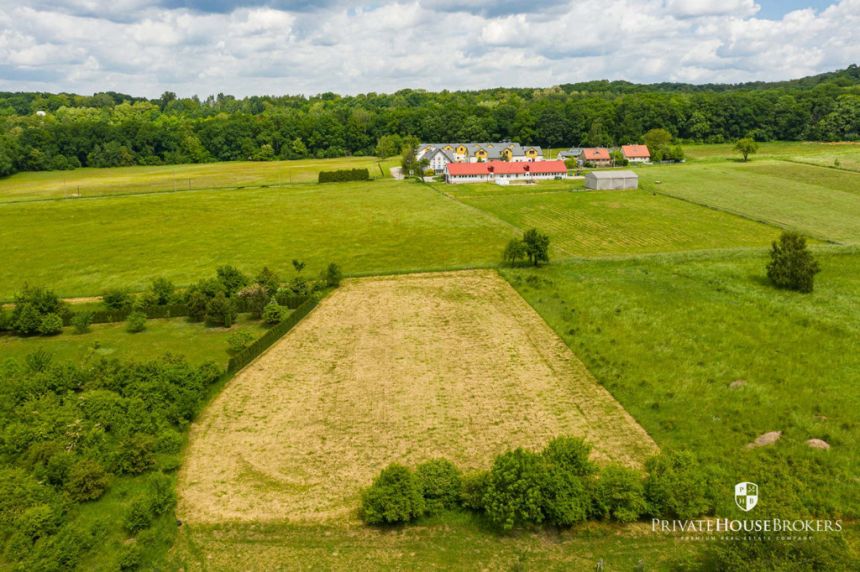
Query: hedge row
(250, 353)
(344, 175)
(110, 316)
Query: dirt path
(402, 369)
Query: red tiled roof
(636, 151)
(506, 168)
(460, 169)
(544, 167)
(595, 154)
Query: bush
(333, 275)
(196, 302)
(51, 325)
(118, 300)
(162, 498)
(273, 313)
(514, 489)
(130, 557)
(791, 264)
(618, 494)
(220, 311)
(565, 497)
(139, 515)
(441, 484)
(254, 298)
(231, 279)
(136, 322)
(298, 286)
(26, 320)
(571, 455)
(162, 290)
(473, 486)
(344, 175)
(86, 481)
(239, 340)
(675, 486)
(135, 455)
(394, 497)
(269, 280)
(38, 521)
(829, 552)
(82, 321)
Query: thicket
(344, 175)
(68, 434)
(558, 486)
(112, 129)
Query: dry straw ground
(401, 369)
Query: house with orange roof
(636, 153)
(597, 156)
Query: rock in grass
(737, 384)
(817, 444)
(766, 439)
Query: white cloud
(385, 46)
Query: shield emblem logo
(746, 496)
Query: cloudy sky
(294, 46)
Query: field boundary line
(483, 213)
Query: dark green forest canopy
(43, 131)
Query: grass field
(824, 154)
(93, 182)
(85, 247)
(299, 433)
(599, 223)
(668, 335)
(822, 203)
(178, 336)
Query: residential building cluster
(438, 155)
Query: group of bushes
(68, 433)
(344, 175)
(36, 312)
(559, 486)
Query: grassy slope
(92, 182)
(195, 341)
(668, 335)
(819, 202)
(602, 223)
(83, 247)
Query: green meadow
(83, 247)
(92, 182)
(195, 341)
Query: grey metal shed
(609, 180)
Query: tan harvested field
(394, 369)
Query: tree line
(42, 131)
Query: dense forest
(42, 131)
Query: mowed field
(398, 369)
(92, 182)
(601, 223)
(84, 247)
(820, 202)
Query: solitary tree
(791, 264)
(537, 246)
(746, 147)
(515, 251)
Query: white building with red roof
(495, 171)
(636, 153)
(597, 156)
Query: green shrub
(825, 552)
(26, 319)
(231, 279)
(791, 264)
(4, 320)
(135, 454)
(163, 291)
(394, 497)
(168, 441)
(254, 299)
(298, 286)
(86, 481)
(676, 486)
(273, 313)
(239, 340)
(269, 280)
(117, 300)
(51, 325)
(344, 175)
(130, 557)
(441, 484)
(220, 311)
(514, 489)
(333, 275)
(38, 521)
(566, 499)
(571, 455)
(136, 322)
(82, 321)
(618, 494)
(139, 515)
(473, 486)
(196, 302)
(161, 495)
